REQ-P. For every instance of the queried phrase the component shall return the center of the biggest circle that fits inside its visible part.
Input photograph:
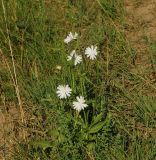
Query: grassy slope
(37, 30)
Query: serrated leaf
(98, 126)
(97, 118)
(95, 128)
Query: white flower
(91, 52)
(77, 58)
(75, 35)
(79, 104)
(70, 37)
(63, 91)
(72, 54)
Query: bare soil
(141, 19)
(9, 114)
(140, 32)
(141, 25)
(9, 122)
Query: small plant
(77, 101)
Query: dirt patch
(9, 122)
(9, 112)
(141, 19)
(140, 31)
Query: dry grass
(18, 121)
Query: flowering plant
(82, 113)
(78, 95)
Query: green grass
(119, 123)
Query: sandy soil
(141, 22)
(9, 115)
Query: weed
(111, 119)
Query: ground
(140, 32)
(141, 21)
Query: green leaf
(56, 135)
(53, 133)
(98, 126)
(95, 128)
(41, 144)
(97, 118)
(91, 137)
